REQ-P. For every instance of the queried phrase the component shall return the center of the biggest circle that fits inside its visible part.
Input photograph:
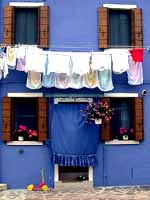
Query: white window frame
(119, 6)
(26, 4)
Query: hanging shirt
(21, 59)
(105, 80)
(3, 65)
(135, 72)
(90, 79)
(76, 81)
(11, 57)
(48, 80)
(61, 80)
(33, 80)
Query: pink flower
(131, 130)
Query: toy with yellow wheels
(44, 187)
(30, 187)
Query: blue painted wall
(73, 27)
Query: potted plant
(97, 111)
(23, 133)
(126, 134)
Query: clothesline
(76, 70)
(146, 47)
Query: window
(123, 116)
(127, 121)
(26, 25)
(29, 112)
(120, 27)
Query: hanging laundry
(33, 80)
(61, 80)
(3, 65)
(101, 61)
(105, 80)
(76, 81)
(21, 59)
(35, 60)
(48, 80)
(135, 72)
(59, 62)
(90, 79)
(11, 57)
(120, 61)
(80, 62)
(137, 54)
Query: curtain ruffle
(74, 160)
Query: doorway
(73, 173)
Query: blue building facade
(74, 27)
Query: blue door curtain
(73, 142)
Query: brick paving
(80, 192)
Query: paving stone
(74, 192)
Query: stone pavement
(72, 192)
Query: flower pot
(98, 121)
(125, 137)
(20, 138)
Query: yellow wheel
(30, 187)
(44, 188)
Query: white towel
(80, 62)
(35, 60)
(101, 61)
(59, 62)
(120, 61)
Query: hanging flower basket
(97, 111)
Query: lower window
(24, 119)
(127, 120)
(123, 110)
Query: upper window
(26, 26)
(127, 121)
(25, 117)
(120, 28)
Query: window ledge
(119, 142)
(24, 143)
